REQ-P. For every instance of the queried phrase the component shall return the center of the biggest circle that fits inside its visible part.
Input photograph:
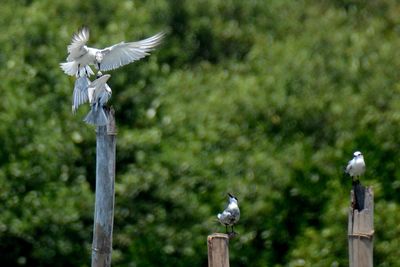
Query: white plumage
(356, 166)
(80, 56)
(98, 94)
(80, 94)
(231, 215)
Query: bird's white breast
(88, 58)
(358, 167)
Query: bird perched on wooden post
(355, 168)
(231, 215)
(98, 93)
(81, 56)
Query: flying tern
(80, 56)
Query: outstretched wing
(77, 47)
(96, 88)
(124, 53)
(80, 95)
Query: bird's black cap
(232, 196)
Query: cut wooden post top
(361, 230)
(110, 128)
(368, 199)
(218, 250)
(218, 235)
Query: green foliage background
(264, 99)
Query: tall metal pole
(104, 203)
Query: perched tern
(98, 94)
(356, 167)
(81, 56)
(231, 215)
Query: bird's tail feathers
(96, 116)
(71, 68)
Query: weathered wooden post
(104, 203)
(361, 231)
(218, 250)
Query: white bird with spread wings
(80, 56)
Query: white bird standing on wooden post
(81, 56)
(356, 167)
(231, 215)
(98, 93)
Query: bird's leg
(226, 228)
(98, 65)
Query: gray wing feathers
(98, 89)
(99, 94)
(96, 116)
(77, 47)
(105, 96)
(229, 217)
(80, 94)
(100, 81)
(349, 166)
(124, 53)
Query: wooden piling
(104, 203)
(218, 250)
(361, 231)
